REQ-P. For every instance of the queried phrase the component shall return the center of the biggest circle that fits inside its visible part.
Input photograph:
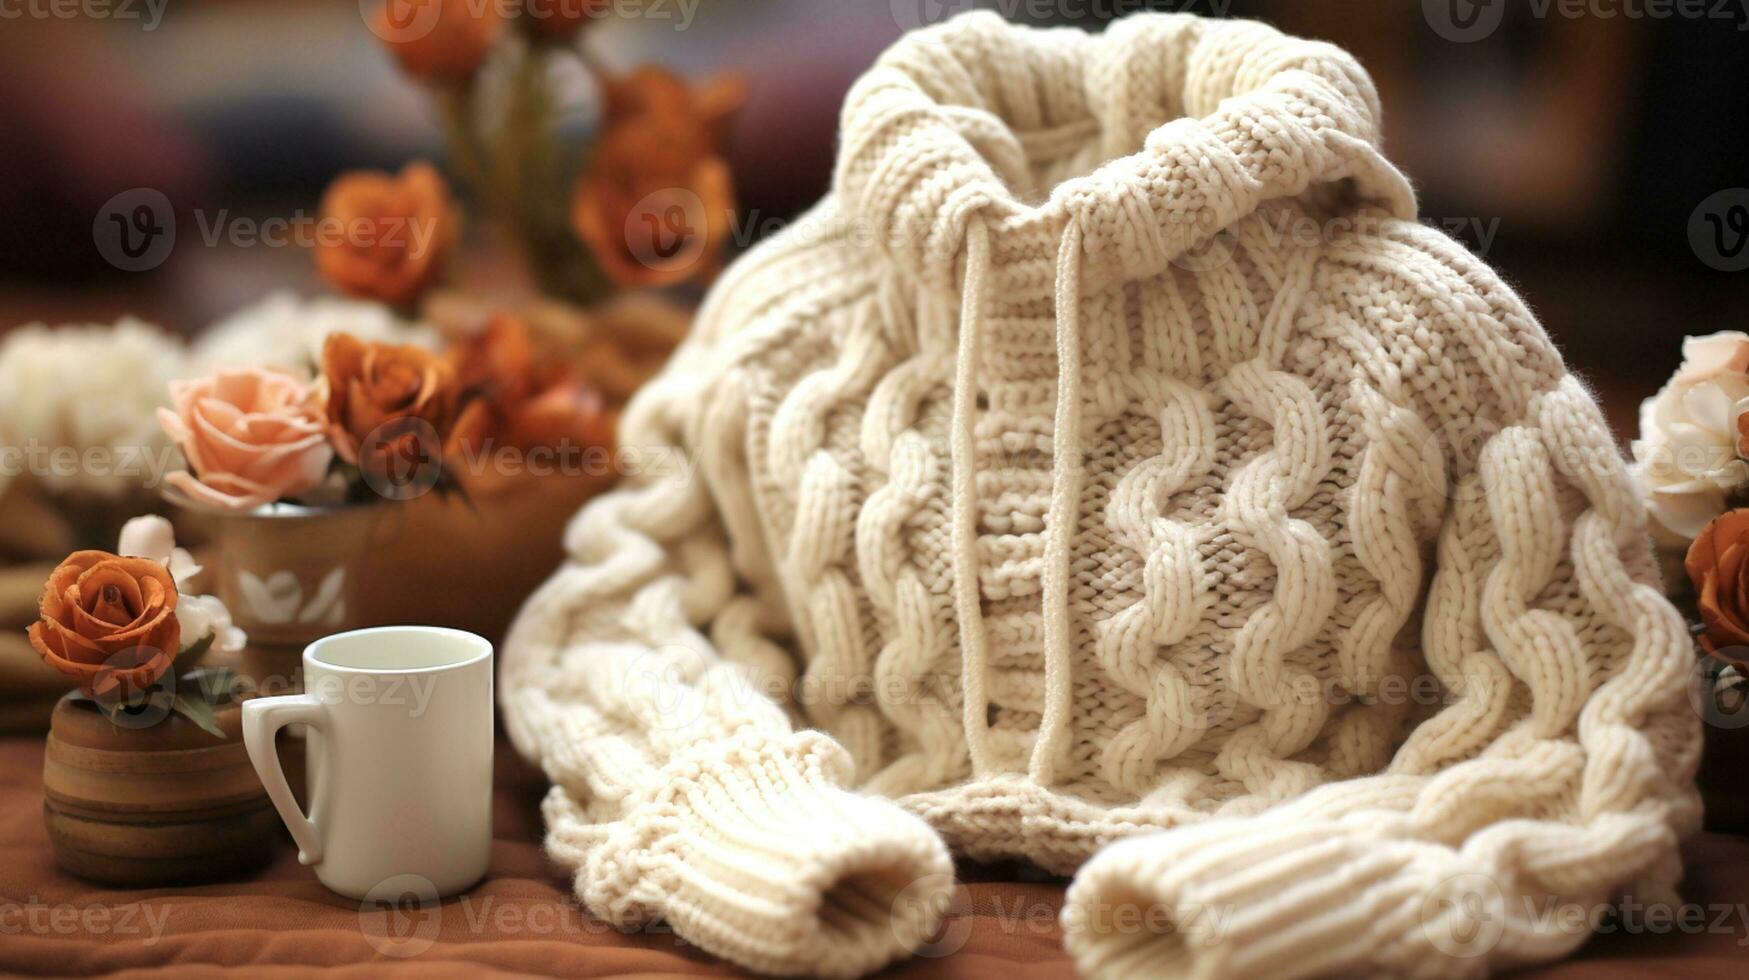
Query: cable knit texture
(1112, 473)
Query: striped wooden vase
(153, 800)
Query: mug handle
(262, 720)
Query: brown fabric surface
(523, 919)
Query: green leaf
(200, 712)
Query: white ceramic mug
(399, 723)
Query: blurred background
(1596, 153)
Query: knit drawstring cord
(963, 452)
(1066, 466)
(1065, 510)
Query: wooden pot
(163, 803)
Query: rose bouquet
(1692, 464)
(644, 198)
(380, 418)
(121, 625)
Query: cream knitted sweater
(1112, 473)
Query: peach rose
(1716, 566)
(656, 202)
(251, 436)
(109, 623)
(445, 43)
(390, 235)
(372, 385)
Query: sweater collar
(1152, 138)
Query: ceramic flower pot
(289, 576)
(292, 574)
(151, 799)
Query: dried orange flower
(386, 237)
(656, 203)
(109, 623)
(439, 40)
(500, 364)
(1716, 566)
(371, 386)
(518, 403)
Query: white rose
(1687, 459)
(199, 616)
(286, 332)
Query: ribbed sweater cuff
(1268, 898)
(751, 849)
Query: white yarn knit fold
(1112, 473)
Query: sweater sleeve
(1555, 772)
(641, 678)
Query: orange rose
(251, 436)
(656, 202)
(561, 20)
(518, 405)
(500, 363)
(373, 385)
(386, 237)
(1715, 565)
(109, 623)
(439, 40)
